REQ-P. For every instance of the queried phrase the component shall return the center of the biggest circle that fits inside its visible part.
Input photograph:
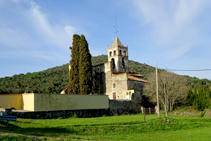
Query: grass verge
(127, 127)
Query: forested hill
(137, 67)
(55, 79)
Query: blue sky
(36, 34)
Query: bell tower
(118, 55)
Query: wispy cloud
(175, 25)
(36, 30)
(60, 35)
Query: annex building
(114, 79)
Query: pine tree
(73, 87)
(85, 67)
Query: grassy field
(126, 127)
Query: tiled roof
(130, 77)
(65, 90)
(135, 74)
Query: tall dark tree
(73, 87)
(85, 67)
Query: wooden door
(114, 95)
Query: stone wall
(108, 72)
(118, 85)
(136, 85)
(121, 107)
(116, 107)
(60, 114)
(115, 83)
(99, 85)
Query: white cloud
(174, 22)
(59, 35)
(29, 29)
(16, 1)
(39, 20)
(178, 51)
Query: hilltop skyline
(36, 35)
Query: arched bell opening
(113, 63)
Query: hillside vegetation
(54, 80)
(134, 66)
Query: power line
(189, 70)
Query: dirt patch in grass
(188, 111)
(11, 135)
(208, 112)
(185, 112)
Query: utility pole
(166, 110)
(158, 108)
(165, 96)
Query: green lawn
(127, 127)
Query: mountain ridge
(54, 80)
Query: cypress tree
(85, 67)
(73, 87)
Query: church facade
(114, 79)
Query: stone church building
(114, 79)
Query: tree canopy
(199, 98)
(85, 67)
(73, 86)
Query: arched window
(124, 53)
(110, 53)
(120, 52)
(113, 63)
(123, 63)
(114, 52)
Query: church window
(110, 53)
(114, 52)
(113, 63)
(114, 85)
(120, 52)
(124, 53)
(123, 62)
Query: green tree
(85, 67)
(73, 86)
(199, 98)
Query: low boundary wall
(123, 107)
(8, 101)
(116, 107)
(61, 114)
(47, 106)
(55, 102)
